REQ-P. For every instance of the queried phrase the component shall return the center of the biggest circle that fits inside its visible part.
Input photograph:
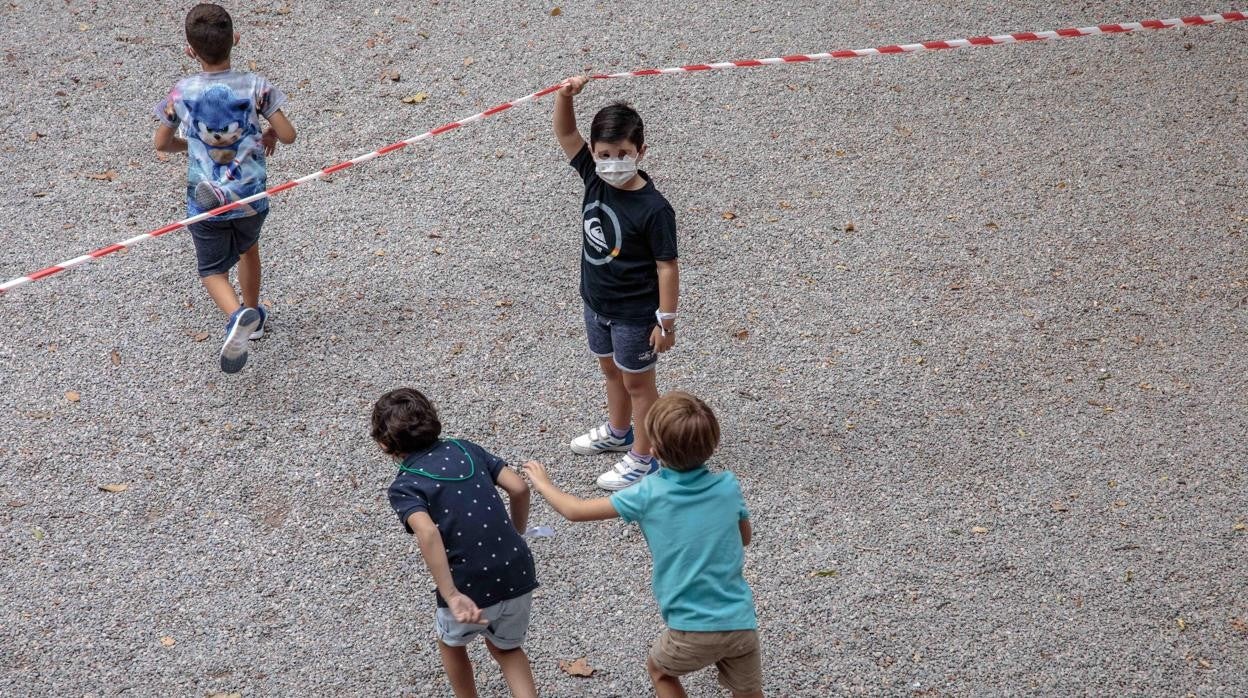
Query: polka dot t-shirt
(489, 560)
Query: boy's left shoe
(629, 471)
(234, 351)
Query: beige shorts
(734, 653)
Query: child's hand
(573, 86)
(465, 610)
(269, 140)
(660, 342)
(537, 473)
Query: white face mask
(617, 173)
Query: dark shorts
(627, 343)
(219, 244)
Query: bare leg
(458, 670)
(664, 686)
(516, 670)
(249, 276)
(619, 406)
(641, 393)
(221, 291)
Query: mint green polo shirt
(691, 523)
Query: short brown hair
(683, 431)
(405, 422)
(210, 32)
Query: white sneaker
(600, 440)
(628, 471)
(234, 351)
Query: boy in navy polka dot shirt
(446, 495)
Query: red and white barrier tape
(1019, 37)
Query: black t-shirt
(490, 561)
(623, 234)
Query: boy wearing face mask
(629, 277)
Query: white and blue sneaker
(234, 352)
(264, 319)
(600, 440)
(629, 471)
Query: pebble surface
(973, 323)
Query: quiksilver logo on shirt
(602, 233)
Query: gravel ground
(991, 432)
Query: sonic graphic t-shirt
(625, 232)
(218, 115)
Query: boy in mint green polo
(696, 525)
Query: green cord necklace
(472, 467)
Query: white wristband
(661, 316)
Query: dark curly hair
(405, 422)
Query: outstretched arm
(434, 553)
(569, 506)
(565, 116)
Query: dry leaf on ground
(416, 98)
(72, 395)
(105, 176)
(199, 336)
(576, 667)
(115, 357)
(741, 334)
(556, 12)
(117, 487)
(729, 215)
(979, 529)
(168, 641)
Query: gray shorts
(627, 344)
(219, 244)
(508, 624)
